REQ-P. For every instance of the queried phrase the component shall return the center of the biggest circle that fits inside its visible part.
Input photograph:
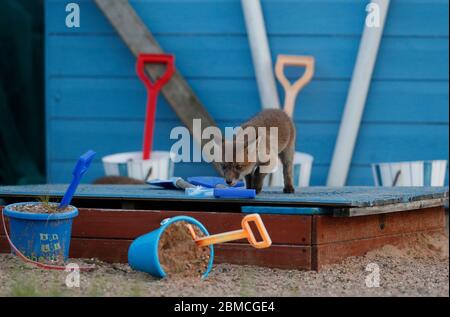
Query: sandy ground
(419, 269)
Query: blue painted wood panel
(382, 141)
(320, 101)
(324, 17)
(113, 136)
(206, 56)
(95, 101)
(286, 210)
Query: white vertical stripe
(356, 99)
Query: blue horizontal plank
(229, 57)
(126, 98)
(228, 99)
(286, 210)
(376, 142)
(335, 17)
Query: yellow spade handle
(291, 91)
(244, 233)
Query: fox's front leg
(249, 181)
(287, 159)
(255, 181)
(258, 180)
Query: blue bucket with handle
(143, 252)
(40, 236)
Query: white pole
(359, 87)
(262, 60)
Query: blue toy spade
(82, 166)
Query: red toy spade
(153, 89)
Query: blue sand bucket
(41, 236)
(143, 252)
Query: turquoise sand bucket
(41, 236)
(143, 252)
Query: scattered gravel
(419, 269)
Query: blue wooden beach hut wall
(95, 101)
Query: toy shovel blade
(81, 167)
(172, 183)
(244, 233)
(291, 90)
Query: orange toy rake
(244, 233)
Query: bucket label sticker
(45, 248)
(49, 243)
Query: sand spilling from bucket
(178, 253)
(41, 208)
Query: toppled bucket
(143, 254)
(131, 164)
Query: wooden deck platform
(314, 227)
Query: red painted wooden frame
(299, 241)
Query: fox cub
(253, 170)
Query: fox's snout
(231, 177)
(231, 173)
